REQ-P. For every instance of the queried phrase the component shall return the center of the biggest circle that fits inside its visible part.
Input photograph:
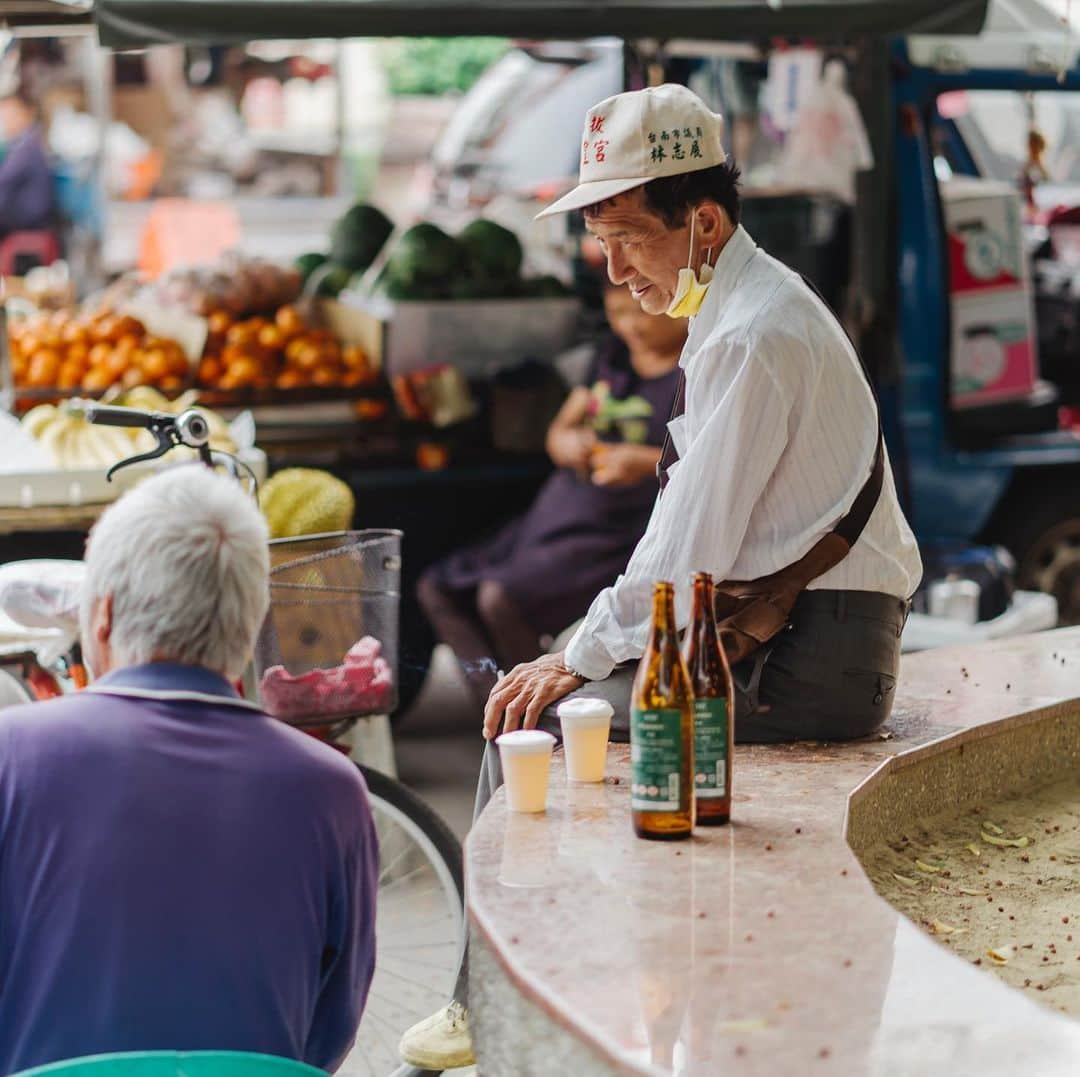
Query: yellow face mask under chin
(692, 288)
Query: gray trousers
(830, 675)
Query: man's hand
(518, 700)
(622, 464)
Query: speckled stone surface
(761, 947)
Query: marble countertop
(761, 947)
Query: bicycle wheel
(419, 924)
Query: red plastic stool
(41, 244)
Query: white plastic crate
(478, 336)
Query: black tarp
(134, 23)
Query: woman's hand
(623, 464)
(569, 441)
(572, 448)
(518, 700)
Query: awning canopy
(45, 14)
(136, 23)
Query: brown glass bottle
(714, 707)
(662, 731)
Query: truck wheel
(1044, 537)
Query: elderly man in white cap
(775, 472)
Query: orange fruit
(117, 363)
(355, 358)
(178, 362)
(308, 357)
(155, 364)
(209, 371)
(219, 322)
(290, 379)
(128, 326)
(70, 375)
(97, 380)
(324, 376)
(44, 369)
(271, 338)
(288, 320)
(243, 371)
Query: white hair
(184, 557)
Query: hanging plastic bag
(828, 143)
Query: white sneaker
(439, 1042)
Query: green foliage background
(438, 65)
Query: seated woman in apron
(501, 602)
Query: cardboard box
(479, 337)
(984, 228)
(993, 348)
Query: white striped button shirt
(777, 439)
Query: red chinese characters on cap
(598, 146)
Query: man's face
(642, 251)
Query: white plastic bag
(828, 143)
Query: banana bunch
(76, 445)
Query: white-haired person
(177, 869)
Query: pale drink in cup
(586, 725)
(526, 760)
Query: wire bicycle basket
(328, 648)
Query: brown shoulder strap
(668, 455)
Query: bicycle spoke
(385, 871)
(423, 984)
(423, 946)
(434, 968)
(404, 878)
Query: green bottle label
(710, 748)
(655, 759)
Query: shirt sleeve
(349, 955)
(699, 521)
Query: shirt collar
(171, 681)
(730, 263)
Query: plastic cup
(586, 725)
(526, 760)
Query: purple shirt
(179, 871)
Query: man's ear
(712, 224)
(101, 624)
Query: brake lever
(165, 443)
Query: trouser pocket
(866, 698)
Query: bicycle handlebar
(110, 415)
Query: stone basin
(764, 947)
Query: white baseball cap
(635, 137)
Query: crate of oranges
(286, 355)
(67, 352)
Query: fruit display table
(763, 947)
